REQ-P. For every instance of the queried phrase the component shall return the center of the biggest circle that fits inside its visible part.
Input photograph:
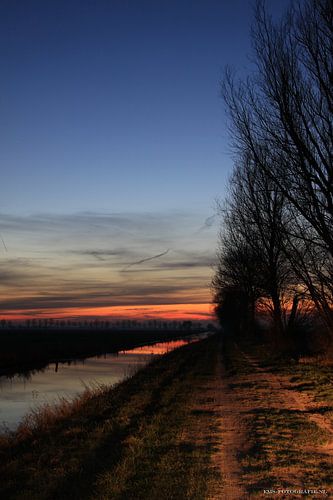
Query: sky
(113, 150)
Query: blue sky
(112, 108)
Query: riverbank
(198, 423)
(146, 438)
(23, 349)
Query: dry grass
(287, 404)
(123, 443)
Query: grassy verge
(136, 441)
(284, 445)
(310, 374)
(284, 442)
(312, 377)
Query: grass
(136, 441)
(312, 375)
(234, 359)
(154, 435)
(282, 440)
(283, 443)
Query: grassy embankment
(285, 441)
(138, 440)
(28, 348)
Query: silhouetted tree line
(276, 239)
(152, 324)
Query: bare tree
(257, 219)
(235, 285)
(282, 117)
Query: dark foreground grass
(136, 441)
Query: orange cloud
(201, 311)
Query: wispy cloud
(103, 255)
(4, 244)
(95, 295)
(103, 259)
(147, 259)
(209, 222)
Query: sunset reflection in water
(23, 392)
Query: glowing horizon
(168, 312)
(131, 266)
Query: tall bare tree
(235, 283)
(282, 117)
(256, 220)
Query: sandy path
(234, 402)
(233, 438)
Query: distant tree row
(103, 324)
(276, 240)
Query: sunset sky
(114, 148)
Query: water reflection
(23, 392)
